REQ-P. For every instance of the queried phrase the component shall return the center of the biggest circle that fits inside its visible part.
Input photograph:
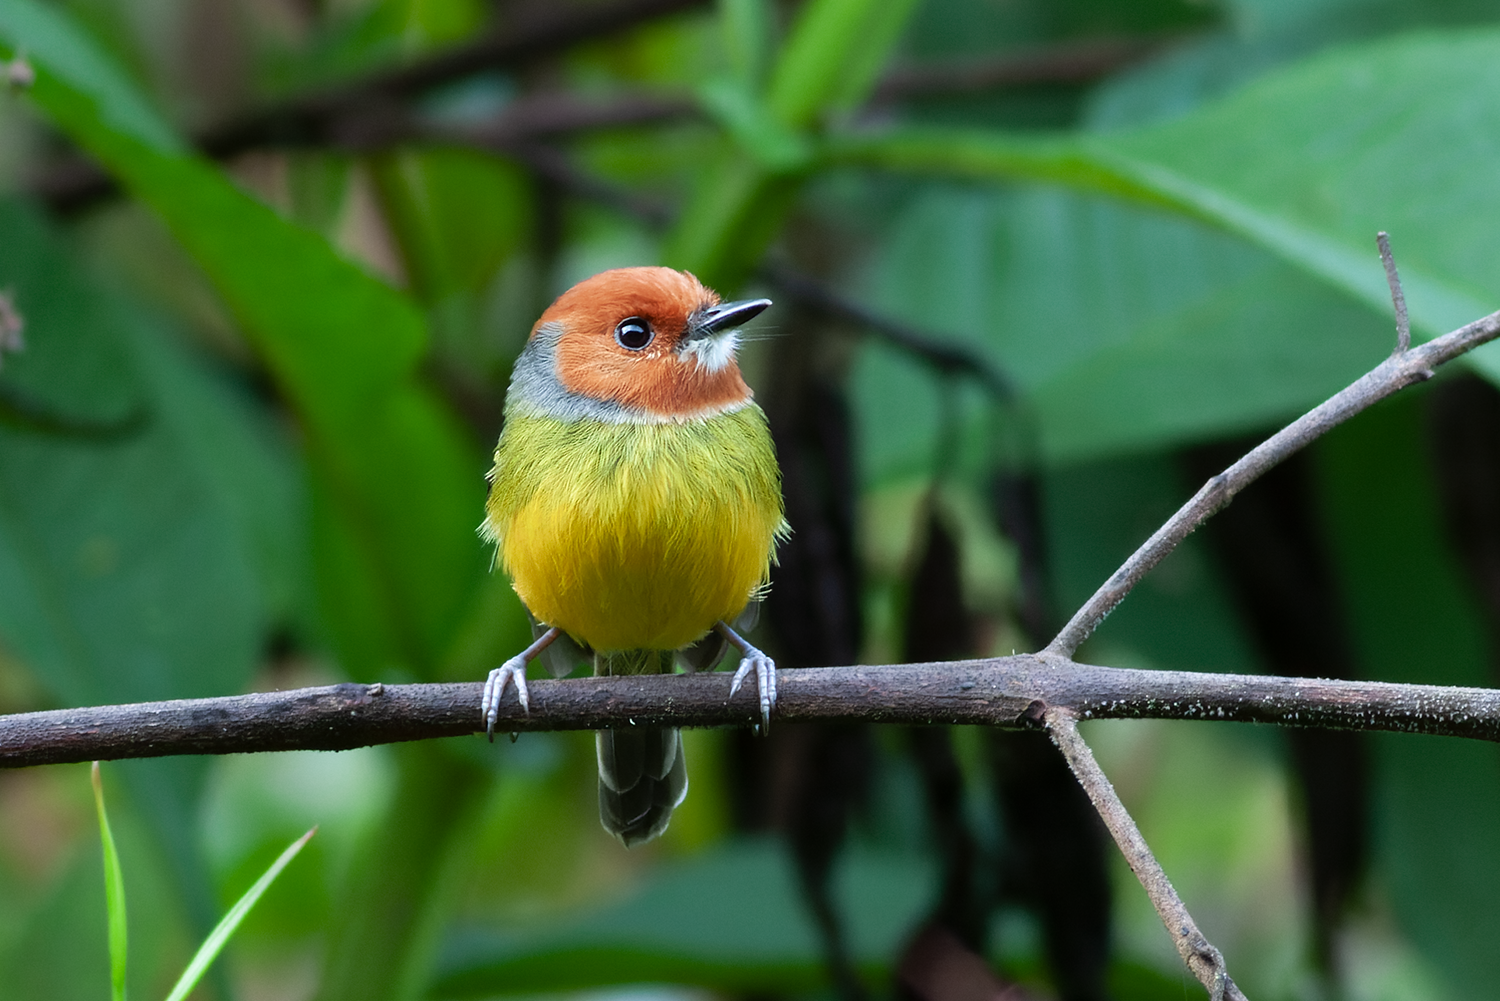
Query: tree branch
(329, 116)
(1398, 297)
(943, 355)
(1004, 691)
(1198, 954)
(373, 113)
(1395, 373)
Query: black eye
(633, 333)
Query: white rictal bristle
(713, 353)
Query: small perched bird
(635, 502)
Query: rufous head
(635, 344)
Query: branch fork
(1049, 688)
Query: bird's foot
(513, 671)
(753, 661)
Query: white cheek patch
(713, 353)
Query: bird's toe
(513, 671)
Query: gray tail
(642, 775)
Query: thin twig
(1004, 691)
(1200, 956)
(1398, 298)
(1393, 374)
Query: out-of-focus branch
(1004, 691)
(945, 356)
(1393, 374)
(1076, 62)
(373, 112)
(1199, 955)
(328, 117)
(540, 31)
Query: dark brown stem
(1005, 691)
(1391, 375)
(943, 355)
(1200, 956)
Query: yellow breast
(635, 536)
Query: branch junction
(1004, 691)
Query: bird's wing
(705, 654)
(564, 655)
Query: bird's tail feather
(642, 775)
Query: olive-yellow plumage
(635, 503)
(636, 536)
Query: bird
(635, 502)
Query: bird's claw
(512, 671)
(764, 669)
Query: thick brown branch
(1006, 691)
(1391, 375)
(1200, 956)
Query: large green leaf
(342, 345)
(397, 490)
(147, 544)
(1393, 135)
(1126, 330)
(1308, 162)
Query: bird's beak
(726, 316)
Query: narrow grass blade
(114, 894)
(219, 937)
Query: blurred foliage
(243, 445)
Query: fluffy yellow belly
(635, 536)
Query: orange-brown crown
(657, 378)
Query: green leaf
(148, 541)
(219, 937)
(1308, 162)
(831, 56)
(456, 214)
(748, 29)
(389, 458)
(396, 487)
(1126, 330)
(145, 558)
(778, 149)
(114, 894)
(828, 63)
